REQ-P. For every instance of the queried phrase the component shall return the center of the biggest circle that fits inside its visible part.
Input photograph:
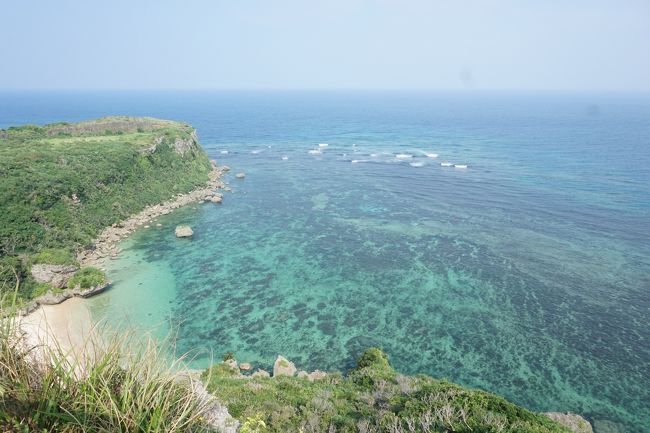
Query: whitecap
(431, 155)
(416, 164)
(323, 144)
(315, 152)
(403, 156)
(374, 155)
(255, 152)
(224, 152)
(460, 165)
(446, 164)
(284, 158)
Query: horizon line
(327, 89)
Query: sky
(556, 45)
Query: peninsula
(68, 192)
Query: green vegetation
(55, 256)
(87, 278)
(61, 184)
(125, 386)
(372, 398)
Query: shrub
(41, 289)
(86, 278)
(373, 357)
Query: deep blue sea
(526, 273)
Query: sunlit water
(526, 274)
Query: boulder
(240, 175)
(302, 374)
(225, 168)
(572, 421)
(316, 375)
(216, 199)
(56, 276)
(261, 373)
(183, 231)
(245, 366)
(283, 367)
(52, 299)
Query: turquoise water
(526, 274)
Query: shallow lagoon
(526, 274)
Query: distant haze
(580, 45)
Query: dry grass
(119, 384)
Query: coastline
(65, 320)
(104, 246)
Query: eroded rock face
(215, 414)
(572, 421)
(283, 367)
(181, 146)
(55, 275)
(183, 231)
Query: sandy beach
(67, 326)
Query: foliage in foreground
(117, 385)
(371, 398)
(61, 184)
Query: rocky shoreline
(104, 247)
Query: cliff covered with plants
(61, 184)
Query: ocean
(526, 274)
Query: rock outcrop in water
(183, 231)
(283, 367)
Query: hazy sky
(518, 44)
